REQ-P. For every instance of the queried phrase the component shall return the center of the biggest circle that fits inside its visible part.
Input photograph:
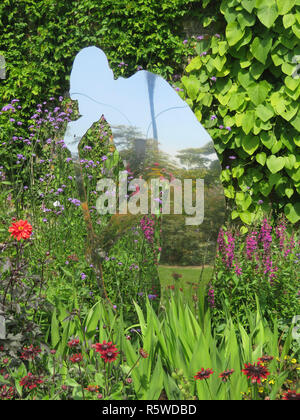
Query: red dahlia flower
(76, 358)
(291, 396)
(30, 352)
(226, 375)
(109, 356)
(6, 393)
(30, 381)
(20, 230)
(203, 374)
(143, 353)
(104, 347)
(255, 372)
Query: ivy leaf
(234, 33)
(267, 12)
(261, 158)
(288, 20)
(260, 48)
(268, 139)
(248, 121)
(296, 123)
(264, 112)
(250, 144)
(192, 85)
(292, 212)
(258, 92)
(195, 64)
(275, 164)
(256, 69)
(285, 6)
(248, 5)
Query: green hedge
(39, 40)
(254, 93)
(244, 87)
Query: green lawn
(190, 276)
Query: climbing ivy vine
(244, 87)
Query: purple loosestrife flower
(237, 269)
(147, 226)
(230, 250)
(251, 244)
(269, 269)
(290, 246)
(221, 243)
(211, 297)
(265, 236)
(280, 233)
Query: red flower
(76, 358)
(104, 347)
(203, 374)
(73, 343)
(109, 356)
(6, 393)
(265, 359)
(30, 352)
(30, 381)
(291, 396)
(20, 230)
(226, 375)
(92, 388)
(255, 372)
(108, 351)
(143, 353)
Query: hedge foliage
(39, 40)
(244, 87)
(255, 94)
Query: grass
(190, 274)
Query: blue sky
(126, 102)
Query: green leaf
(257, 69)
(288, 20)
(258, 92)
(234, 33)
(275, 164)
(264, 112)
(291, 83)
(245, 78)
(290, 161)
(285, 6)
(289, 192)
(248, 5)
(246, 217)
(288, 68)
(248, 121)
(267, 12)
(261, 158)
(192, 85)
(296, 123)
(219, 62)
(250, 144)
(261, 47)
(292, 212)
(54, 330)
(195, 64)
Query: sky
(126, 102)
